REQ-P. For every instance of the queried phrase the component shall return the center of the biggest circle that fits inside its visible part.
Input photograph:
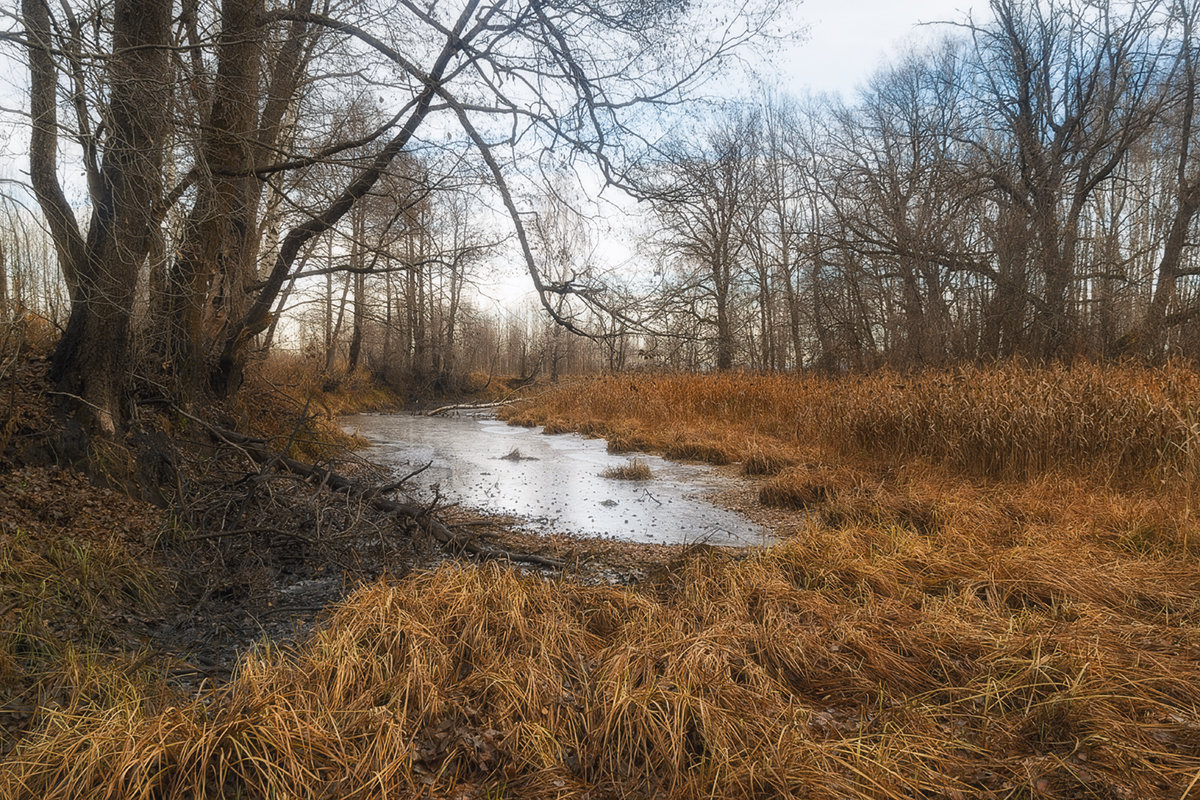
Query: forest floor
(989, 586)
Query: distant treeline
(1027, 186)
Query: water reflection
(554, 483)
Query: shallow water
(555, 485)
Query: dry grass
(806, 486)
(1123, 424)
(74, 559)
(765, 458)
(865, 662)
(289, 400)
(635, 470)
(960, 615)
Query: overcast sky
(848, 39)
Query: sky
(849, 39)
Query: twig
(394, 485)
(257, 450)
(245, 532)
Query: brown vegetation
(295, 404)
(1127, 425)
(73, 560)
(106, 597)
(865, 662)
(635, 470)
(944, 622)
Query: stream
(554, 484)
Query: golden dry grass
(865, 662)
(959, 616)
(1128, 424)
(635, 469)
(73, 560)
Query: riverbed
(554, 483)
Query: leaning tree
(185, 114)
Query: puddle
(554, 483)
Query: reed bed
(1122, 423)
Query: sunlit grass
(965, 610)
(1123, 424)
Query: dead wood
(468, 407)
(454, 540)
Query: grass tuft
(765, 459)
(635, 470)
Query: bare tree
(1071, 86)
(706, 194)
(509, 77)
(1181, 124)
(91, 362)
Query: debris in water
(515, 455)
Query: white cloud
(850, 39)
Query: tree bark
(212, 276)
(91, 360)
(43, 144)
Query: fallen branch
(468, 407)
(456, 542)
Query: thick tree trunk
(92, 359)
(227, 375)
(211, 278)
(43, 144)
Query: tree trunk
(43, 144)
(333, 332)
(216, 264)
(1154, 327)
(356, 333)
(3, 281)
(92, 358)
(227, 375)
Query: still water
(553, 483)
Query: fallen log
(455, 541)
(468, 407)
